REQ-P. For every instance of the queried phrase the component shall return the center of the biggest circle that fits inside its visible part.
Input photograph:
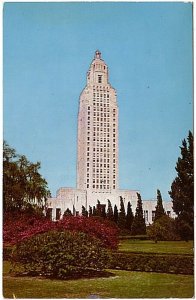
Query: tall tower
(97, 161)
(97, 157)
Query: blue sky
(48, 48)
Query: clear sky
(48, 48)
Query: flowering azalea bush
(60, 254)
(21, 227)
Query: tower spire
(97, 54)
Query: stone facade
(97, 151)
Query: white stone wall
(74, 199)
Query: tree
(138, 226)
(103, 213)
(115, 214)
(182, 189)
(121, 215)
(23, 186)
(94, 211)
(98, 209)
(110, 214)
(84, 212)
(90, 212)
(163, 229)
(129, 217)
(67, 213)
(159, 210)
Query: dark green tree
(164, 229)
(110, 214)
(84, 212)
(90, 212)
(98, 209)
(23, 186)
(129, 217)
(103, 212)
(138, 226)
(121, 216)
(94, 211)
(182, 189)
(159, 210)
(67, 213)
(115, 214)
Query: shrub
(60, 254)
(100, 228)
(19, 228)
(163, 229)
(178, 264)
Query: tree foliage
(159, 210)
(138, 225)
(121, 215)
(23, 185)
(182, 189)
(115, 214)
(129, 217)
(60, 254)
(110, 214)
(84, 211)
(18, 227)
(163, 229)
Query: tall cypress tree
(103, 212)
(90, 212)
(182, 189)
(115, 214)
(138, 225)
(159, 210)
(121, 215)
(84, 212)
(110, 214)
(129, 216)
(98, 209)
(94, 211)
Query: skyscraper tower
(97, 157)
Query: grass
(147, 246)
(124, 284)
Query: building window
(99, 78)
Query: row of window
(101, 104)
(101, 95)
(100, 88)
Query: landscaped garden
(124, 284)
(98, 254)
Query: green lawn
(147, 246)
(124, 284)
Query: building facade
(97, 151)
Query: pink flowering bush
(21, 227)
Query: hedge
(177, 264)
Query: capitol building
(97, 152)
